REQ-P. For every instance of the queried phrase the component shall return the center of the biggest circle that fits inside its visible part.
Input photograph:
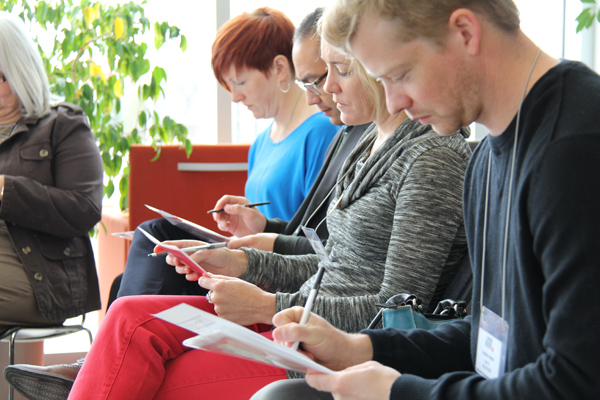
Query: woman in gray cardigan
(396, 226)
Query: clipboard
(176, 252)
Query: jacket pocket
(33, 155)
(56, 249)
(70, 255)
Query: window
(191, 88)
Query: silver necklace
(508, 200)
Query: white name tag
(490, 359)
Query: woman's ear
(282, 67)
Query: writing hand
(237, 219)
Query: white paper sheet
(221, 336)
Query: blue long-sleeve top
(283, 172)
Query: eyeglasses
(312, 86)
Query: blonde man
(530, 203)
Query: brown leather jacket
(52, 198)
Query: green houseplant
(586, 18)
(95, 52)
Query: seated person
(148, 275)
(399, 190)
(283, 237)
(543, 143)
(51, 181)
(252, 59)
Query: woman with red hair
(252, 59)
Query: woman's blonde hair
(331, 33)
(22, 66)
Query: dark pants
(152, 275)
(290, 389)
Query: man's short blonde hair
(417, 19)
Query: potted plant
(96, 51)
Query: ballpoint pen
(195, 248)
(245, 205)
(310, 300)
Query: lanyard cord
(508, 200)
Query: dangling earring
(287, 89)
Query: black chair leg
(11, 358)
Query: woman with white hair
(50, 193)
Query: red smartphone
(176, 252)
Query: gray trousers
(290, 389)
(17, 301)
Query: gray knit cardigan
(398, 229)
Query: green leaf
(123, 201)
(159, 36)
(183, 43)
(173, 32)
(164, 135)
(142, 119)
(187, 144)
(124, 185)
(158, 150)
(109, 189)
(146, 92)
(585, 19)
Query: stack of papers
(221, 336)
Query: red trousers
(138, 356)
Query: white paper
(124, 235)
(221, 336)
(196, 230)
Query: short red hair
(252, 40)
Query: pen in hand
(245, 205)
(310, 300)
(195, 248)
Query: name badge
(490, 359)
(316, 243)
